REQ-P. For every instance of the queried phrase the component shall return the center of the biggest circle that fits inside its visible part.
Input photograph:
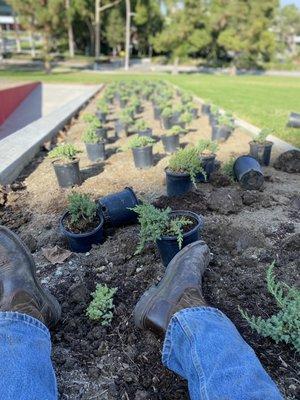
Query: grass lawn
(262, 100)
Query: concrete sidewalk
(41, 102)
(19, 148)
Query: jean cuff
(167, 346)
(24, 318)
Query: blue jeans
(202, 345)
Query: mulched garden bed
(245, 231)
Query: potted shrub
(178, 109)
(170, 230)
(260, 147)
(142, 150)
(124, 99)
(193, 109)
(142, 128)
(103, 111)
(136, 105)
(89, 118)
(82, 224)
(214, 115)
(186, 98)
(185, 119)
(94, 144)
(181, 173)
(66, 165)
(207, 151)
(126, 121)
(206, 108)
(223, 129)
(170, 139)
(166, 117)
(294, 120)
(100, 130)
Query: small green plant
(285, 325)
(138, 141)
(155, 223)
(227, 169)
(64, 152)
(81, 208)
(141, 125)
(101, 307)
(187, 161)
(175, 130)
(225, 121)
(96, 124)
(262, 136)
(126, 117)
(186, 118)
(206, 146)
(90, 136)
(102, 106)
(88, 118)
(214, 109)
(167, 112)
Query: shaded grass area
(264, 101)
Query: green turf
(262, 100)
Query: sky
(285, 2)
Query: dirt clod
(288, 161)
(225, 201)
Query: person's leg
(201, 344)
(26, 370)
(26, 311)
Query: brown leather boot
(20, 290)
(181, 287)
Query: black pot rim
(267, 143)
(212, 155)
(101, 142)
(74, 161)
(198, 217)
(169, 136)
(142, 148)
(80, 235)
(169, 172)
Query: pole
(127, 35)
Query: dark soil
(245, 231)
(82, 226)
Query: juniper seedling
(285, 325)
(175, 130)
(206, 146)
(64, 152)
(101, 307)
(90, 136)
(81, 208)
(227, 169)
(88, 118)
(138, 141)
(262, 136)
(187, 161)
(155, 223)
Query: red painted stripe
(11, 98)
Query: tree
(127, 34)
(43, 16)
(286, 26)
(114, 31)
(70, 15)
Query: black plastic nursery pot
(95, 151)
(175, 118)
(82, 242)
(118, 128)
(178, 183)
(213, 119)
(248, 172)
(220, 132)
(147, 132)
(194, 112)
(116, 207)
(157, 113)
(262, 152)
(67, 175)
(143, 157)
(102, 133)
(170, 143)
(205, 109)
(294, 120)
(167, 122)
(168, 246)
(102, 116)
(209, 166)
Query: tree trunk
(175, 66)
(47, 63)
(70, 31)
(32, 45)
(92, 36)
(97, 28)
(17, 34)
(127, 35)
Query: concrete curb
(19, 148)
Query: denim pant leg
(203, 346)
(26, 371)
